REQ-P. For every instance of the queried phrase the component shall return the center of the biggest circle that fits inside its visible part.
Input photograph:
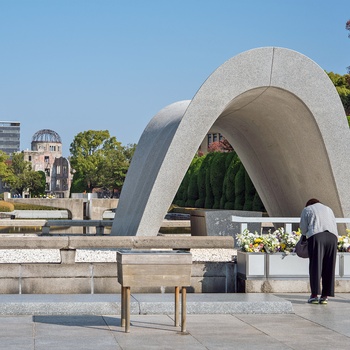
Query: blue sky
(77, 65)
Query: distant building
(46, 155)
(212, 136)
(10, 137)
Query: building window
(47, 172)
(47, 159)
(58, 170)
(30, 158)
(209, 139)
(215, 137)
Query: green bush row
(218, 181)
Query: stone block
(211, 222)
(211, 285)
(210, 269)
(108, 285)
(9, 270)
(56, 270)
(9, 286)
(105, 270)
(56, 285)
(68, 256)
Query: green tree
(40, 182)
(78, 183)
(347, 27)
(99, 160)
(342, 84)
(22, 177)
(5, 172)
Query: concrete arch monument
(282, 115)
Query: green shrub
(249, 193)
(229, 162)
(202, 171)
(257, 203)
(230, 185)
(192, 191)
(217, 175)
(209, 197)
(239, 188)
(222, 183)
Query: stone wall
(101, 277)
(61, 269)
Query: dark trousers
(322, 249)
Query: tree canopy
(347, 27)
(342, 84)
(19, 176)
(99, 161)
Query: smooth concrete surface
(274, 106)
(309, 327)
(144, 304)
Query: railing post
(244, 226)
(45, 229)
(288, 228)
(99, 229)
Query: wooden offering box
(149, 268)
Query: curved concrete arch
(282, 115)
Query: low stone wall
(95, 272)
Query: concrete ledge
(88, 241)
(143, 304)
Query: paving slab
(307, 327)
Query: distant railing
(99, 225)
(47, 224)
(286, 221)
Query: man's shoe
(313, 300)
(323, 300)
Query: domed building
(46, 155)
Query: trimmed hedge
(218, 181)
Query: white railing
(287, 222)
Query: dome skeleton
(46, 135)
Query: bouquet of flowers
(344, 242)
(279, 241)
(271, 242)
(287, 240)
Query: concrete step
(141, 304)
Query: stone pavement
(38, 324)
